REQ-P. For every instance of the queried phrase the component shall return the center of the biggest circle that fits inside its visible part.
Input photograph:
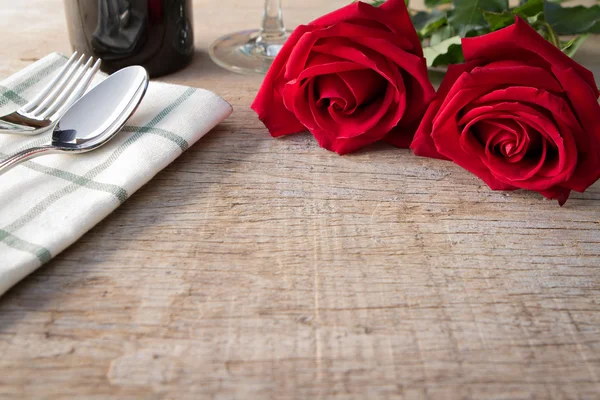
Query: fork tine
(40, 96)
(64, 95)
(57, 88)
(77, 91)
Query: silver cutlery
(41, 113)
(94, 119)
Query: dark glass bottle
(156, 34)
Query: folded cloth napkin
(49, 202)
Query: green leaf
(441, 34)
(420, 19)
(468, 14)
(446, 52)
(426, 22)
(544, 29)
(536, 19)
(529, 9)
(521, 2)
(436, 77)
(435, 3)
(572, 20)
(571, 47)
(498, 20)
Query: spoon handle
(21, 156)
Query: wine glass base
(246, 52)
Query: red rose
(350, 77)
(518, 114)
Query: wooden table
(261, 268)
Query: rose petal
(512, 173)
(333, 91)
(329, 68)
(379, 55)
(374, 61)
(526, 173)
(447, 141)
(548, 104)
(522, 134)
(521, 42)
(470, 87)
(392, 15)
(371, 119)
(585, 105)
(318, 76)
(559, 193)
(351, 52)
(422, 144)
(268, 103)
(364, 85)
(343, 33)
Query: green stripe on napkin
(40, 216)
(13, 241)
(87, 178)
(14, 94)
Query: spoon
(94, 119)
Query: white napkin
(49, 202)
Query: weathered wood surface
(261, 268)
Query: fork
(44, 111)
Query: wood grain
(261, 268)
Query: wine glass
(253, 50)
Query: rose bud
(519, 114)
(352, 77)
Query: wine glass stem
(272, 24)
